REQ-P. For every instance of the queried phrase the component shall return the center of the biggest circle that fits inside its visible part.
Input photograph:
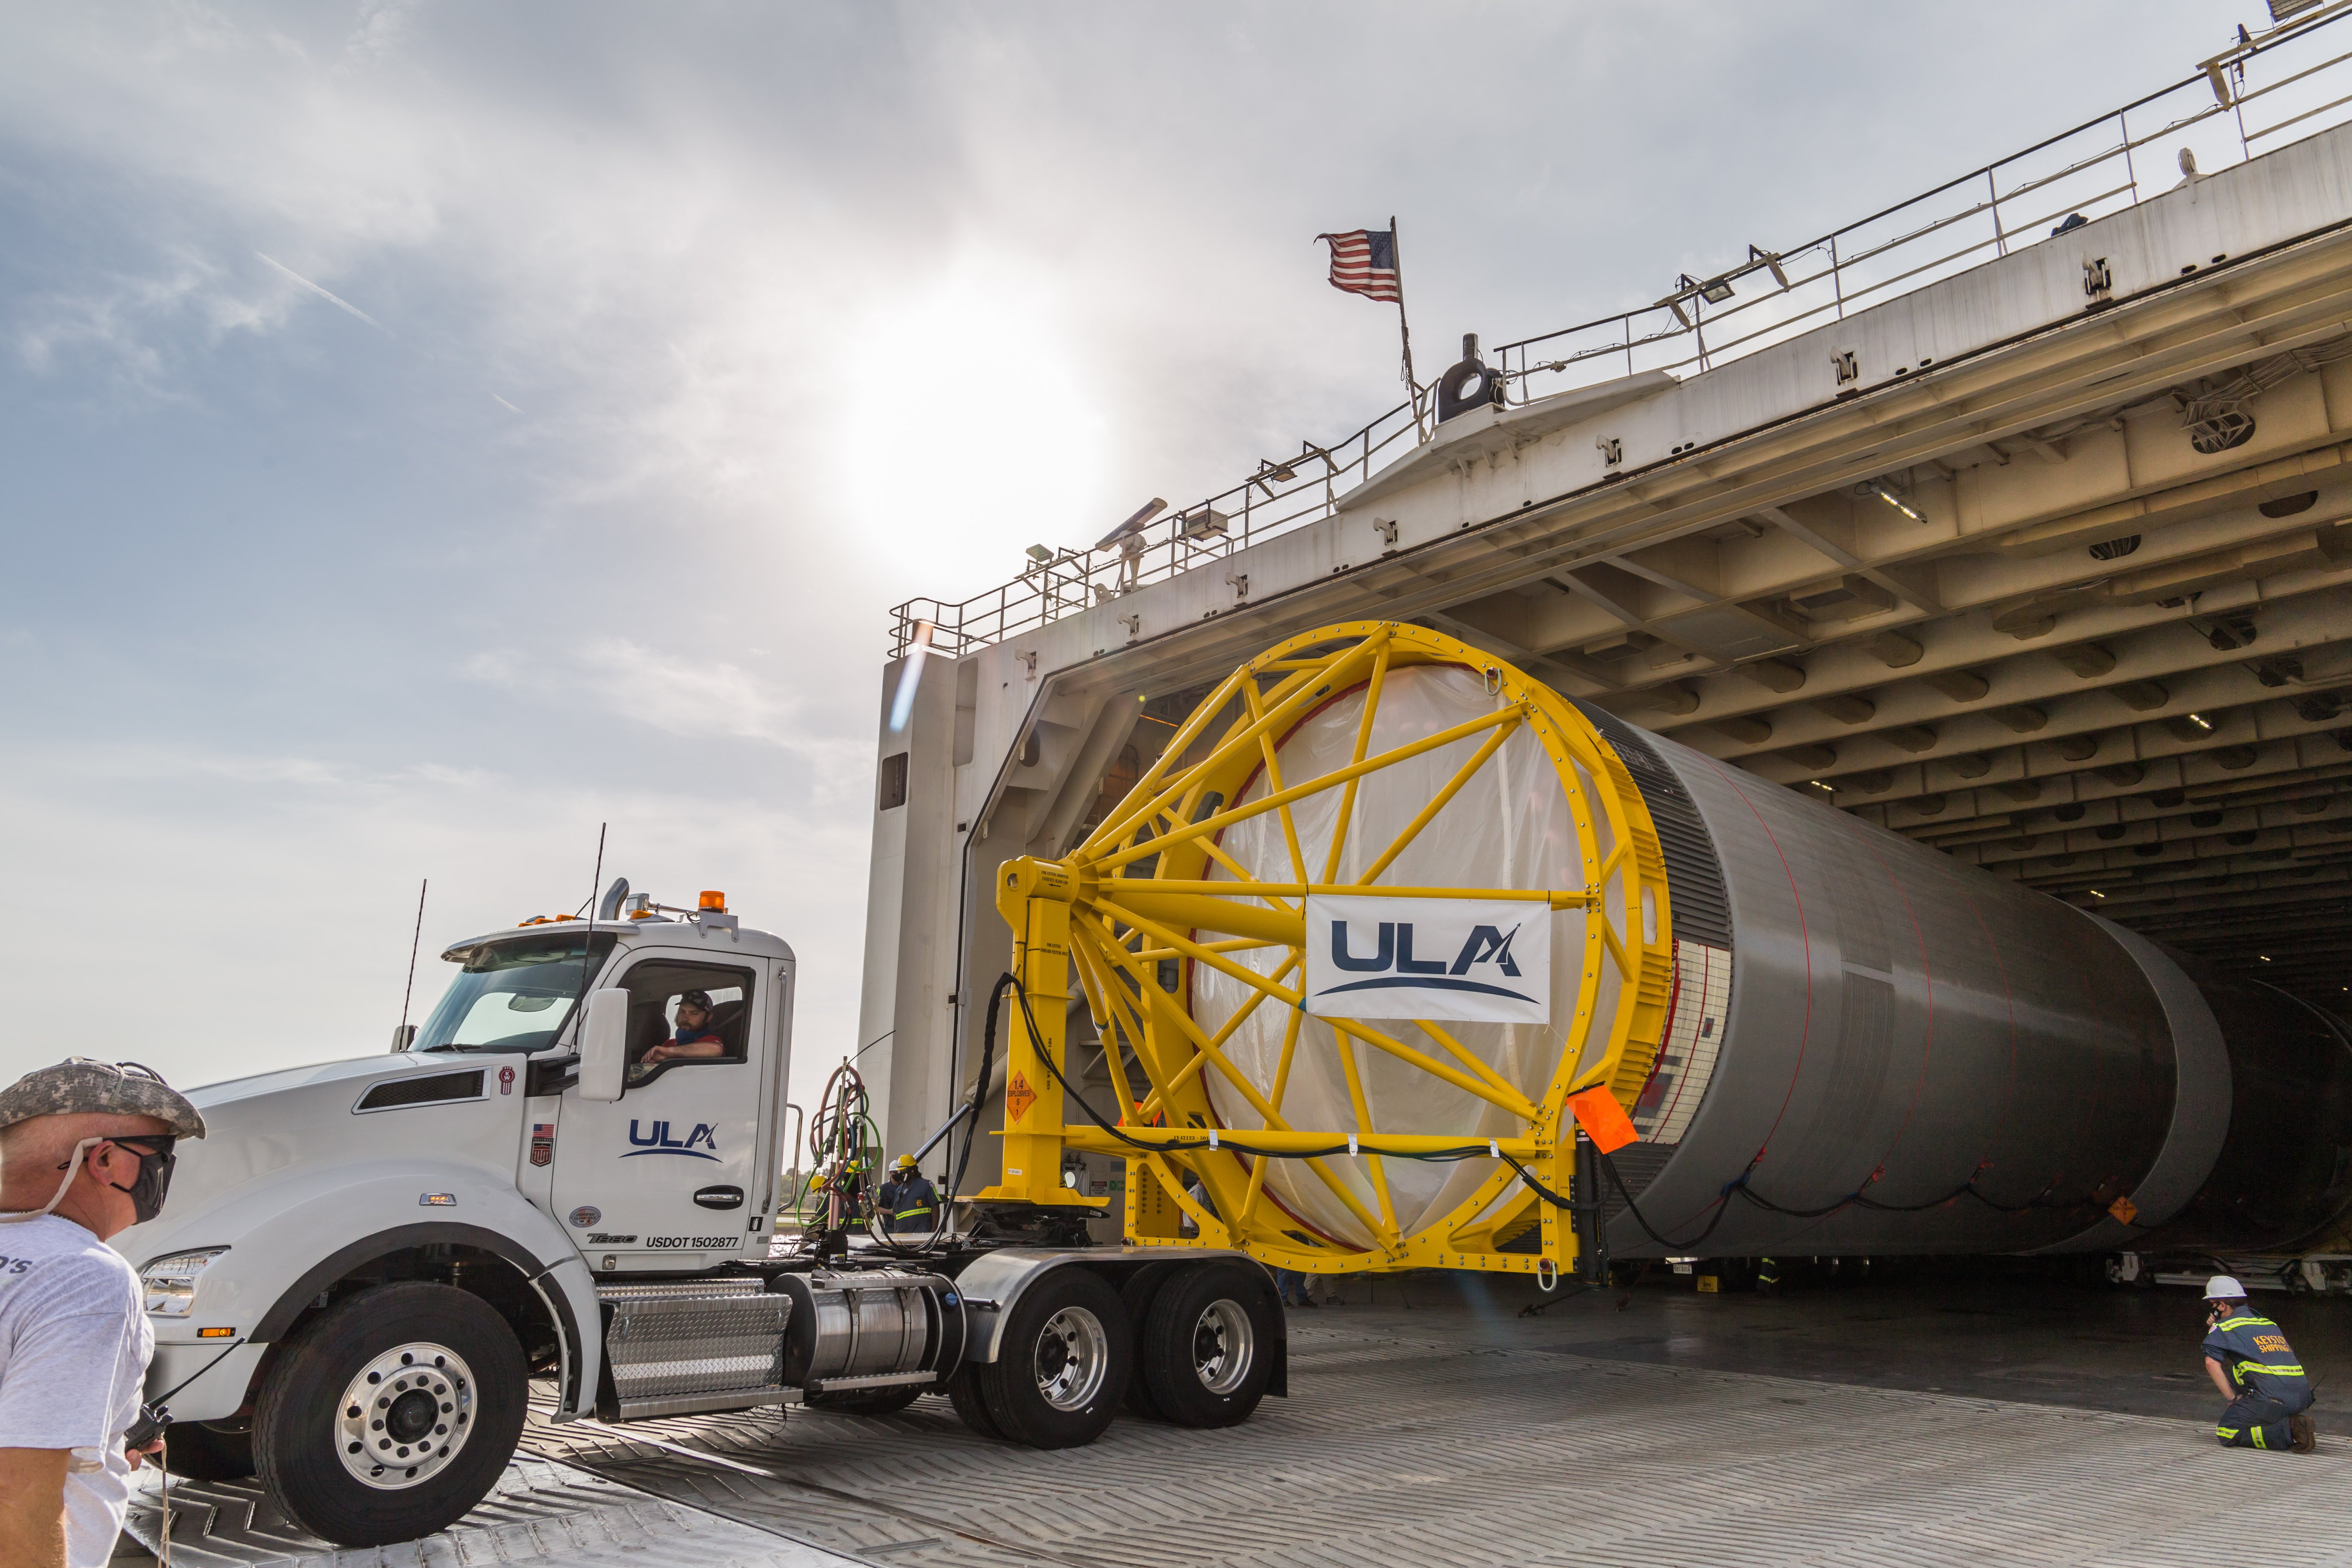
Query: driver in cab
(696, 1035)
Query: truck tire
(194, 1452)
(1207, 1352)
(1136, 1296)
(1062, 1367)
(970, 1405)
(864, 1401)
(390, 1414)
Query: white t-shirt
(74, 1348)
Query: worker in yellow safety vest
(908, 1201)
(2251, 1362)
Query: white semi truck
(364, 1267)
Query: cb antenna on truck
(401, 1036)
(596, 876)
(588, 943)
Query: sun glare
(972, 432)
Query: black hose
(959, 1166)
(987, 1065)
(1438, 1156)
(1738, 1186)
(1722, 1207)
(1967, 1189)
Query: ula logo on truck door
(1470, 960)
(659, 1141)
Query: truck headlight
(170, 1282)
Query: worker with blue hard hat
(2250, 1361)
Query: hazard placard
(1602, 1118)
(1018, 1097)
(2125, 1210)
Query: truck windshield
(515, 995)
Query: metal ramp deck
(1458, 1436)
(540, 1514)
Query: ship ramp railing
(2274, 88)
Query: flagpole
(1404, 329)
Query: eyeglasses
(136, 1144)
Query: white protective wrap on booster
(1510, 827)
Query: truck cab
(567, 1176)
(675, 1172)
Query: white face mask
(73, 1169)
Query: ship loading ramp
(1988, 1423)
(1954, 608)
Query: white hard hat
(2221, 1288)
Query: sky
(431, 431)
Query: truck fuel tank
(870, 1329)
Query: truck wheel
(864, 1401)
(1062, 1367)
(1136, 1296)
(390, 1415)
(970, 1405)
(1207, 1348)
(194, 1452)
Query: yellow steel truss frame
(1093, 916)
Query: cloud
(142, 326)
(258, 912)
(696, 698)
(678, 694)
(269, 780)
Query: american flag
(1363, 261)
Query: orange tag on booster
(2125, 1210)
(1603, 1119)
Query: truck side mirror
(403, 1037)
(604, 1044)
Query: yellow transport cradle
(1139, 891)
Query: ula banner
(1478, 961)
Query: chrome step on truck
(364, 1268)
(677, 1347)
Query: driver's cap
(2221, 1288)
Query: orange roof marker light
(716, 902)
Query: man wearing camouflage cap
(85, 1152)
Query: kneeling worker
(913, 1202)
(2251, 1362)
